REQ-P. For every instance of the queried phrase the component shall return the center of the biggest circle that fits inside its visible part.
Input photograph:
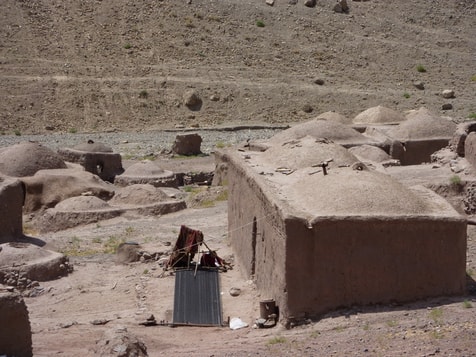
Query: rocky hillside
(92, 65)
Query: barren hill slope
(92, 65)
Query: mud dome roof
(146, 172)
(146, 168)
(334, 116)
(26, 158)
(346, 191)
(38, 263)
(378, 115)
(321, 128)
(92, 146)
(348, 188)
(370, 153)
(305, 152)
(140, 194)
(82, 203)
(423, 124)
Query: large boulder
(27, 158)
(48, 187)
(188, 144)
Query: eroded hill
(128, 65)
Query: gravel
(139, 144)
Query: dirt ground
(62, 315)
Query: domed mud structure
(96, 158)
(378, 115)
(25, 159)
(141, 199)
(146, 172)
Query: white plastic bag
(236, 323)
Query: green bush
(455, 180)
(467, 304)
(420, 68)
(260, 23)
(276, 340)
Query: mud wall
(342, 262)
(256, 231)
(470, 149)
(416, 152)
(15, 330)
(11, 203)
(104, 165)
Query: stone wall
(417, 152)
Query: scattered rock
(310, 3)
(448, 94)
(235, 292)
(418, 84)
(447, 106)
(100, 322)
(341, 6)
(214, 97)
(149, 321)
(192, 100)
(68, 324)
(120, 343)
(270, 2)
(319, 81)
(307, 108)
(128, 252)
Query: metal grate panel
(197, 298)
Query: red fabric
(185, 247)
